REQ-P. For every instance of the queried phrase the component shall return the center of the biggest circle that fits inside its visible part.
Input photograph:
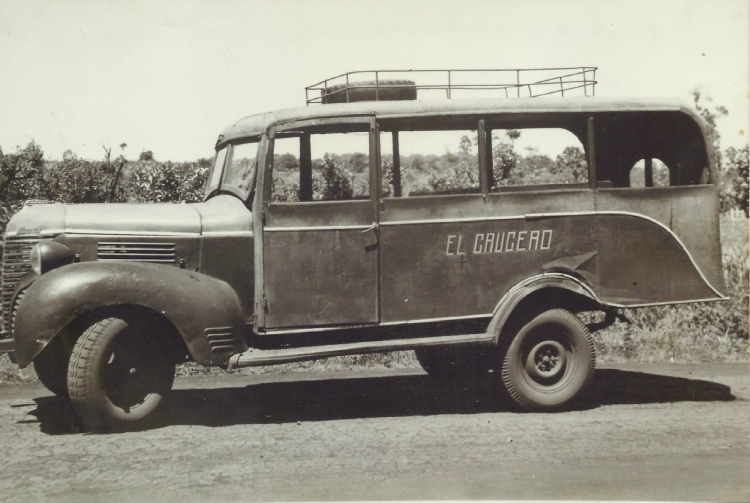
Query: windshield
(215, 177)
(240, 172)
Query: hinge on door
(264, 304)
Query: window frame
(373, 156)
(398, 191)
(231, 189)
(217, 189)
(485, 124)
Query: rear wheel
(118, 375)
(549, 362)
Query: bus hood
(152, 219)
(220, 214)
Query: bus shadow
(371, 397)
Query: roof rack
(388, 85)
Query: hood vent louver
(137, 252)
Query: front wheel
(549, 362)
(118, 375)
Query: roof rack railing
(382, 85)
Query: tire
(366, 91)
(550, 362)
(51, 366)
(118, 376)
(451, 363)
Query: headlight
(48, 255)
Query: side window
(429, 163)
(649, 173)
(215, 177)
(537, 156)
(240, 173)
(285, 181)
(650, 149)
(321, 166)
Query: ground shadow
(411, 395)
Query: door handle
(373, 227)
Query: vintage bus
(372, 221)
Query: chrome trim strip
(319, 228)
(101, 232)
(214, 234)
(452, 220)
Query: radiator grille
(16, 252)
(137, 252)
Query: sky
(169, 76)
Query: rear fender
(205, 311)
(558, 289)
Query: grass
(687, 333)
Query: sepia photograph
(374, 250)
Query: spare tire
(383, 90)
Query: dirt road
(666, 432)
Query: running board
(258, 357)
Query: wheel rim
(130, 379)
(548, 358)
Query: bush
(27, 175)
(686, 333)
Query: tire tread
(519, 397)
(79, 369)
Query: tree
(571, 165)
(167, 182)
(334, 181)
(504, 161)
(710, 114)
(285, 162)
(19, 179)
(734, 180)
(146, 155)
(504, 157)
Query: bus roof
(254, 125)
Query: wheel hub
(546, 361)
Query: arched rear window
(658, 177)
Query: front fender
(198, 306)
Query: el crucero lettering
(500, 242)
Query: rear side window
(537, 156)
(649, 173)
(650, 149)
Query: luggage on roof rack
(390, 85)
